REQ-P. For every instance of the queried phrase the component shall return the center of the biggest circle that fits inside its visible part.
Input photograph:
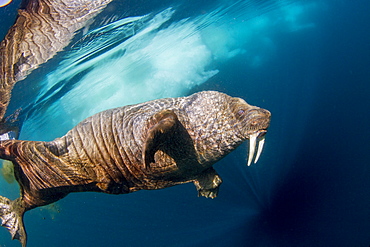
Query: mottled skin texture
(148, 146)
(42, 28)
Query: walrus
(147, 146)
(42, 28)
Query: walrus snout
(256, 119)
(261, 119)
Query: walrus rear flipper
(11, 214)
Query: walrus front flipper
(11, 215)
(162, 125)
(167, 134)
(207, 183)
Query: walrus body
(148, 146)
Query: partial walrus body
(42, 28)
(149, 146)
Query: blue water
(305, 61)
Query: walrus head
(252, 123)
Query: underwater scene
(307, 62)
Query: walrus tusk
(260, 148)
(252, 147)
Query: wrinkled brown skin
(42, 28)
(148, 146)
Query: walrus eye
(241, 112)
